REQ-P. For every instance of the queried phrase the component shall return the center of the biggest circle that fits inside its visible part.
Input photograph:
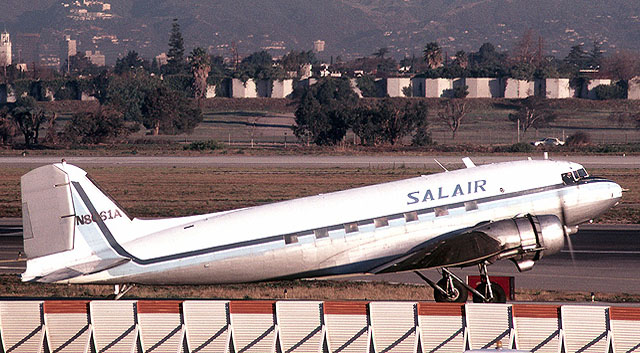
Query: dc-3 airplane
(523, 210)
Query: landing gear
(491, 293)
(120, 290)
(455, 291)
(451, 289)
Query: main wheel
(458, 293)
(498, 293)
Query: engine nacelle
(524, 240)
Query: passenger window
(321, 233)
(411, 216)
(381, 222)
(290, 239)
(470, 206)
(441, 211)
(351, 227)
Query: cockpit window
(575, 176)
(582, 173)
(567, 178)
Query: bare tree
(533, 113)
(452, 113)
(524, 51)
(621, 66)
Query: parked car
(548, 141)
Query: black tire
(461, 293)
(499, 295)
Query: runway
(607, 259)
(319, 161)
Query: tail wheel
(456, 292)
(499, 295)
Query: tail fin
(63, 210)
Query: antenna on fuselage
(441, 166)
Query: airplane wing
(465, 247)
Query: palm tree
(200, 67)
(433, 55)
(462, 59)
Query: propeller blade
(563, 219)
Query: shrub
(521, 147)
(210, 145)
(613, 91)
(578, 139)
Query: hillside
(349, 27)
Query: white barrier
(312, 326)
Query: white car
(548, 141)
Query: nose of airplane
(616, 191)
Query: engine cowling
(525, 240)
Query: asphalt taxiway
(449, 161)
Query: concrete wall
(438, 87)
(634, 88)
(282, 88)
(395, 85)
(241, 89)
(519, 88)
(484, 87)
(558, 88)
(211, 91)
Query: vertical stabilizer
(71, 227)
(47, 211)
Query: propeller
(565, 230)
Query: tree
(380, 53)
(367, 85)
(324, 112)
(596, 55)
(533, 112)
(258, 65)
(452, 113)
(433, 55)
(200, 68)
(102, 125)
(7, 127)
(525, 50)
(623, 65)
(168, 112)
(28, 116)
(487, 62)
(80, 64)
(294, 60)
(577, 59)
(130, 62)
(461, 59)
(175, 56)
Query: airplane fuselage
(347, 232)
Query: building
(96, 58)
(5, 49)
(67, 49)
(318, 46)
(162, 59)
